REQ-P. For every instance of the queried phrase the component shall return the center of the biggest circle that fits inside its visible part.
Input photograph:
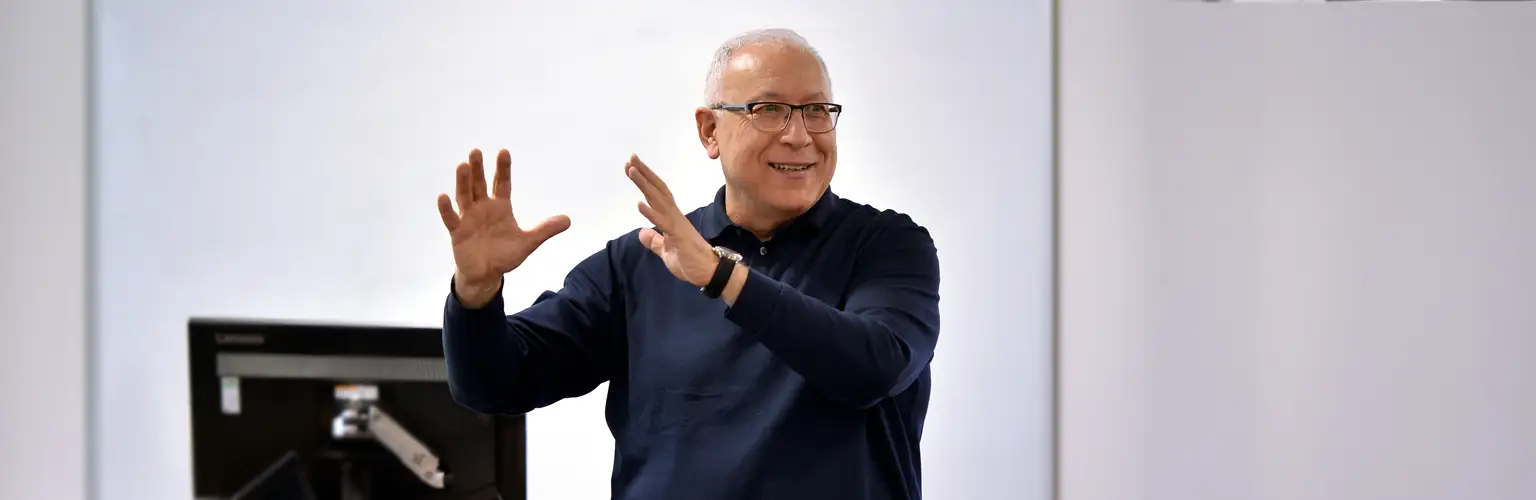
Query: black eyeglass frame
(833, 109)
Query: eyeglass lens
(772, 117)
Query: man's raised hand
(685, 252)
(487, 242)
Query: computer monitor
(311, 411)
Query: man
(773, 344)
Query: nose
(794, 134)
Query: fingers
(659, 207)
(655, 218)
(548, 228)
(477, 172)
(502, 187)
(653, 195)
(647, 207)
(650, 175)
(463, 187)
(445, 209)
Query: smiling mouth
(791, 167)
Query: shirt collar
(714, 221)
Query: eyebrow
(818, 96)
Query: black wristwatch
(728, 260)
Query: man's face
(769, 168)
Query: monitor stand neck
(356, 481)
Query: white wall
(43, 302)
(1297, 251)
(280, 160)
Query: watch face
(728, 253)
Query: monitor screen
(339, 412)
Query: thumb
(653, 240)
(549, 228)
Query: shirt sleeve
(562, 346)
(878, 343)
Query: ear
(706, 121)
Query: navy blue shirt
(813, 385)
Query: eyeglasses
(820, 117)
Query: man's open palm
(487, 242)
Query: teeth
(790, 167)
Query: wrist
(722, 267)
(707, 263)
(475, 293)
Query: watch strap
(722, 276)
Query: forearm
(559, 347)
(858, 356)
(481, 352)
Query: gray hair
(778, 36)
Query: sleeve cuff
(758, 304)
(495, 309)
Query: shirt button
(762, 250)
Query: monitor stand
(361, 419)
(283, 480)
(356, 481)
(356, 469)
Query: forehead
(774, 72)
